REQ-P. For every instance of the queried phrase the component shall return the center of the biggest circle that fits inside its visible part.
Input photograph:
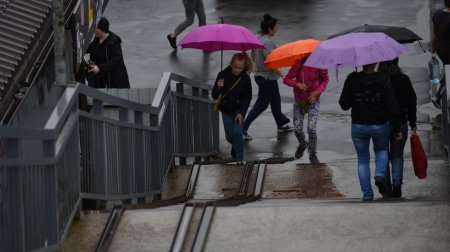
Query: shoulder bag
(218, 101)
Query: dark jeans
(233, 134)
(268, 93)
(396, 149)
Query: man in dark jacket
(105, 51)
(373, 101)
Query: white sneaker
(285, 128)
(247, 136)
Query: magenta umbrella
(219, 37)
(354, 49)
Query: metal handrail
(120, 158)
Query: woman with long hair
(407, 103)
(233, 88)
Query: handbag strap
(228, 91)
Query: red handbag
(419, 158)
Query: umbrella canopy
(400, 34)
(354, 49)
(219, 37)
(287, 54)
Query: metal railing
(39, 185)
(97, 154)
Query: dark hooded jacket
(406, 98)
(372, 99)
(108, 57)
(238, 99)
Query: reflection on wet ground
(299, 181)
(218, 181)
(176, 182)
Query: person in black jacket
(109, 69)
(234, 89)
(407, 103)
(440, 44)
(372, 99)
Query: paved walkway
(418, 222)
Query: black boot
(396, 191)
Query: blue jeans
(396, 157)
(361, 135)
(268, 93)
(234, 134)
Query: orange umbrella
(287, 54)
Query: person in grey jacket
(266, 79)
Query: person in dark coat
(109, 69)
(440, 44)
(234, 89)
(407, 103)
(372, 99)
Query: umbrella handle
(421, 46)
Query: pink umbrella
(219, 37)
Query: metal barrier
(97, 154)
(39, 186)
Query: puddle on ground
(218, 181)
(303, 181)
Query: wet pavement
(176, 182)
(304, 207)
(85, 232)
(292, 180)
(218, 181)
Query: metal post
(58, 37)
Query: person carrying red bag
(407, 104)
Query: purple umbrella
(219, 37)
(354, 49)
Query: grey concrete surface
(144, 230)
(331, 226)
(418, 222)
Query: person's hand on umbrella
(94, 69)
(313, 97)
(301, 86)
(240, 119)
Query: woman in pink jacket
(308, 83)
